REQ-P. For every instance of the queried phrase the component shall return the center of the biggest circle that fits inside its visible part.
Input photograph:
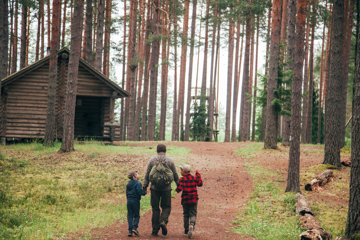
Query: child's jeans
(190, 211)
(133, 216)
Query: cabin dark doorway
(88, 117)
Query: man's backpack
(161, 175)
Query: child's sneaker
(136, 232)
(186, 233)
(163, 228)
(191, 230)
(130, 233)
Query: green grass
(270, 213)
(45, 195)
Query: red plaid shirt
(187, 185)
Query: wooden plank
(25, 116)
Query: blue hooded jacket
(134, 190)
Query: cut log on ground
(314, 230)
(302, 205)
(346, 163)
(320, 180)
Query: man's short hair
(161, 148)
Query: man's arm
(146, 179)
(173, 169)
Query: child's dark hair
(131, 174)
(161, 148)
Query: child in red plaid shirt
(189, 197)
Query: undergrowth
(270, 213)
(45, 195)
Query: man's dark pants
(160, 199)
(133, 216)
(189, 211)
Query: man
(160, 193)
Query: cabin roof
(99, 75)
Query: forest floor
(228, 187)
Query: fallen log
(302, 205)
(314, 230)
(320, 180)
(346, 163)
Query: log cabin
(24, 95)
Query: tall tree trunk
(229, 79)
(305, 84)
(23, 37)
(236, 83)
(311, 77)
(4, 39)
(50, 129)
(263, 111)
(122, 103)
(63, 25)
(37, 47)
(255, 81)
(87, 42)
(244, 107)
(73, 68)
(353, 220)
(346, 56)
(191, 58)
(42, 16)
(27, 38)
(183, 67)
(334, 89)
(290, 48)
(164, 73)
(48, 26)
(293, 181)
(204, 74)
(270, 140)
(251, 75)
(106, 63)
(15, 37)
(100, 34)
(322, 75)
(212, 77)
(145, 95)
(155, 50)
(327, 55)
(175, 121)
(132, 63)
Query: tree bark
(346, 57)
(15, 37)
(122, 103)
(290, 48)
(293, 182)
(204, 74)
(255, 81)
(183, 67)
(353, 218)
(73, 68)
(63, 25)
(4, 39)
(244, 107)
(50, 128)
(106, 62)
(100, 34)
(311, 77)
(270, 140)
(132, 63)
(236, 83)
(164, 73)
(322, 75)
(175, 121)
(334, 89)
(191, 59)
(24, 36)
(87, 42)
(155, 50)
(305, 85)
(229, 80)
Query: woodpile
(314, 230)
(320, 180)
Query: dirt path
(226, 189)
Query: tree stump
(320, 180)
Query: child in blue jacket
(133, 196)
